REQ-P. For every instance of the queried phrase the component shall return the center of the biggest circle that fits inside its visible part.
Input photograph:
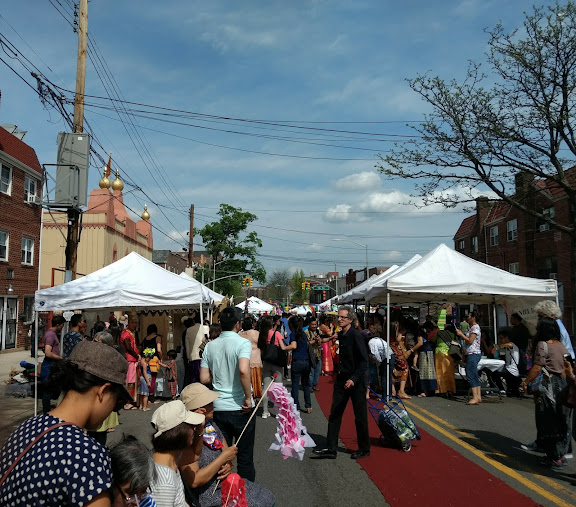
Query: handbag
(535, 385)
(273, 354)
(455, 350)
(567, 396)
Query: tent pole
(388, 349)
(495, 323)
(35, 345)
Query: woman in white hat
(216, 457)
(177, 442)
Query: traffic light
(303, 285)
(245, 281)
(249, 282)
(323, 295)
(307, 285)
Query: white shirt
(512, 359)
(194, 337)
(379, 349)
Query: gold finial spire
(117, 183)
(145, 215)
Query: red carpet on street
(430, 474)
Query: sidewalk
(14, 410)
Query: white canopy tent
(214, 296)
(132, 281)
(362, 291)
(444, 275)
(255, 305)
(300, 310)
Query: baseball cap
(172, 414)
(102, 361)
(197, 395)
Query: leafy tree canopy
(234, 249)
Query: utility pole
(191, 245)
(73, 237)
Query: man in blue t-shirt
(226, 365)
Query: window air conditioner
(33, 199)
(554, 276)
(544, 227)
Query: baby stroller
(395, 424)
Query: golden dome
(117, 183)
(104, 182)
(145, 215)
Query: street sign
(321, 287)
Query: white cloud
(359, 181)
(338, 213)
(314, 247)
(226, 37)
(392, 255)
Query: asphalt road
(340, 482)
(490, 435)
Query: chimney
(483, 207)
(522, 182)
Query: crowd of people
(208, 425)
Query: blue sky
(341, 63)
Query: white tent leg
(495, 323)
(35, 345)
(388, 372)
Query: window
(514, 268)
(541, 224)
(3, 246)
(494, 236)
(6, 180)
(547, 267)
(474, 244)
(461, 244)
(30, 188)
(512, 229)
(27, 251)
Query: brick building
(20, 216)
(108, 233)
(503, 236)
(175, 262)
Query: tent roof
(255, 305)
(214, 296)
(132, 281)
(363, 291)
(446, 275)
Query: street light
(359, 244)
(214, 278)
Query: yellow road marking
(550, 482)
(496, 464)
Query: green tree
(518, 119)
(234, 250)
(278, 285)
(298, 295)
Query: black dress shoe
(360, 454)
(323, 454)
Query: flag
(108, 168)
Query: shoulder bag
(535, 385)
(273, 354)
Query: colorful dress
(327, 362)
(444, 363)
(400, 364)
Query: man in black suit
(349, 384)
